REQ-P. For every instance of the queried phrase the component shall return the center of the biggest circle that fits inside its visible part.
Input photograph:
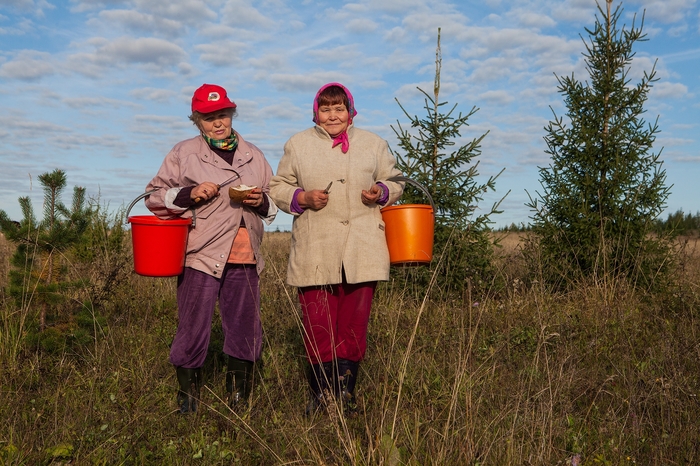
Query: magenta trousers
(335, 320)
(238, 294)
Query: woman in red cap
(334, 178)
(223, 259)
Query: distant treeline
(679, 222)
(515, 227)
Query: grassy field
(602, 375)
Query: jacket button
(344, 222)
(221, 256)
(217, 266)
(215, 272)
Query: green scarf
(230, 143)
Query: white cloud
(282, 111)
(222, 53)
(157, 55)
(394, 7)
(499, 97)
(138, 22)
(141, 50)
(574, 11)
(35, 7)
(306, 82)
(531, 19)
(361, 26)
(495, 68)
(667, 90)
(396, 34)
(147, 123)
(20, 4)
(678, 31)
(82, 6)
(688, 55)
(192, 12)
(666, 11)
(153, 94)
(403, 60)
(341, 54)
(269, 62)
(95, 102)
(240, 14)
(28, 65)
(426, 25)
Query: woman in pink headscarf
(334, 179)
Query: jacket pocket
(204, 211)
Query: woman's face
(216, 125)
(333, 118)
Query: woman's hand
(314, 199)
(254, 198)
(204, 191)
(371, 196)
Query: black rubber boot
(239, 380)
(190, 381)
(319, 377)
(347, 377)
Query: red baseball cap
(210, 98)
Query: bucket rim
(408, 206)
(153, 220)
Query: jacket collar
(323, 134)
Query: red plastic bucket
(159, 245)
(409, 230)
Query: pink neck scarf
(342, 138)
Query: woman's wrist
(184, 197)
(383, 193)
(295, 206)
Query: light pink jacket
(192, 162)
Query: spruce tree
(463, 249)
(38, 278)
(604, 187)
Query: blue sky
(101, 89)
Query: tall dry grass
(522, 377)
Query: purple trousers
(238, 294)
(336, 318)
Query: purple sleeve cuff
(183, 198)
(385, 194)
(294, 205)
(264, 207)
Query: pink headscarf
(342, 138)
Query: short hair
(197, 117)
(333, 95)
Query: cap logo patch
(213, 96)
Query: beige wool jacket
(346, 234)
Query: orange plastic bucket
(409, 230)
(159, 245)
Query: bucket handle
(133, 203)
(148, 193)
(417, 185)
